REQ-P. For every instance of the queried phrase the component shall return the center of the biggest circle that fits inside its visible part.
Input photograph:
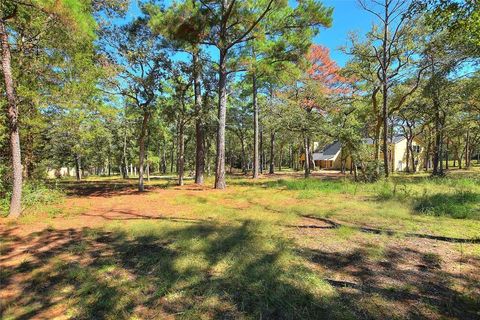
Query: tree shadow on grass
(404, 283)
(214, 271)
(200, 270)
(108, 188)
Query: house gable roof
(330, 152)
(396, 139)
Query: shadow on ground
(218, 272)
(107, 188)
(200, 269)
(405, 283)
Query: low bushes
(460, 204)
(34, 194)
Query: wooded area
(99, 96)
(89, 89)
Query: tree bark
(164, 161)
(141, 143)
(124, 156)
(307, 157)
(467, 150)
(78, 166)
(199, 129)
(385, 90)
(437, 170)
(407, 168)
(378, 126)
(12, 113)
(262, 154)
(222, 114)
(446, 155)
(244, 156)
(256, 157)
(172, 152)
(181, 154)
(280, 161)
(412, 155)
(272, 153)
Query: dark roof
(396, 139)
(332, 149)
(329, 152)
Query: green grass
(459, 205)
(243, 270)
(238, 254)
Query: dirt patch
(414, 277)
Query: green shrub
(370, 174)
(35, 193)
(4, 180)
(388, 191)
(459, 205)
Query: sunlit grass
(233, 253)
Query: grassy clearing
(199, 270)
(184, 253)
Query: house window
(416, 149)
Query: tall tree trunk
(256, 156)
(354, 165)
(385, 90)
(222, 115)
(262, 154)
(172, 155)
(124, 156)
(292, 158)
(181, 154)
(467, 152)
(208, 144)
(280, 161)
(407, 169)
(446, 155)
(199, 129)
(141, 144)
(12, 113)
(307, 156)
(164, 161)
(427, 154)
(437, 145)
(272, 153)
(378, 127)
(78, 167)
(310, 152)
(412, 155)
(244, 156)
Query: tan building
(330, 157)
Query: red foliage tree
(324, 71)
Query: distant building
(330, 156)
(60, 172)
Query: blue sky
(347, 17)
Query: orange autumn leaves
(323, 78)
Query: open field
(277, 248)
